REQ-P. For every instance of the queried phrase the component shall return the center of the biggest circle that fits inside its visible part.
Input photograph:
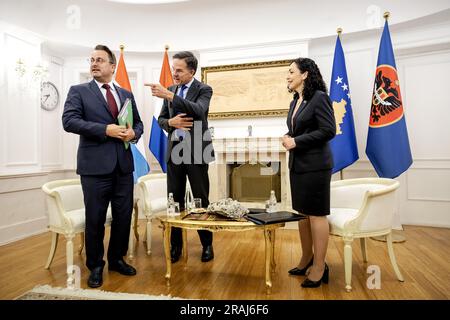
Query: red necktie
(111, 101)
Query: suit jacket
(196, 106)
(86, 113)
(314, 126)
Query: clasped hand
(288, 142)
(181, 122)
(124, 133)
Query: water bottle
(188, 201)
(170, 205)
(272, 202)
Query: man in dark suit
(184, 116)
(103, 162)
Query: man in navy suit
(184, 116)
(105, 166)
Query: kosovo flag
(387, 140)
(343, 145)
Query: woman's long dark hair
(314, 80)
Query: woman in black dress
(311, 125)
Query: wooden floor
(237, 272)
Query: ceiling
(203, 24)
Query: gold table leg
(272, 260)
(185, 247)
(166, 235)
(268, 256)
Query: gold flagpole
(341, 172)
(397, 235)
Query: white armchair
(66, 214)
(152, 200)
(362, 208)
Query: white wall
(216, 23)
(262, 127)
(142, 68)
(20, 101)
(33, 141)
(423, 64)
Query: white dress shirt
(113, 91)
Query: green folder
(126, 117)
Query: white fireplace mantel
(252, 150)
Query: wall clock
(49, 96)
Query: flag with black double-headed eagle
(343, 145)
(387, 140)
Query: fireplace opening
(252, 182)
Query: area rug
(47, 292)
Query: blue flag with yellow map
(343, 145)
(387, 140)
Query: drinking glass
(176, 211)
(197, 203)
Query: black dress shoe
(207, 253)
(175, 253)
(301, 272)
(96, 277)
(122, 267)
(314, 284)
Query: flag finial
(339, 31)
(386, 15)
(166, 47)
(122, 47)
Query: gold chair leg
(392, 257)
(363, 242)
(131, 237)
(135, 222)
(348, 264)
(80, 248)
(148, 232)
(52, 250)
(69, 260)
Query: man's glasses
(97, 60)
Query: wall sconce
(37, 74)
(20, 68)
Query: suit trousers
(100, 190)
(176, 184)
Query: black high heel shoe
(301, 272)
(314, 284)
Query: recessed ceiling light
(148, 1)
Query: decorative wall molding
(22, 230)
(254, 53)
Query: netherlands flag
(158, 138)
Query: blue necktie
(180, 133)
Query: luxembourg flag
(141, 166)
(158, 138)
